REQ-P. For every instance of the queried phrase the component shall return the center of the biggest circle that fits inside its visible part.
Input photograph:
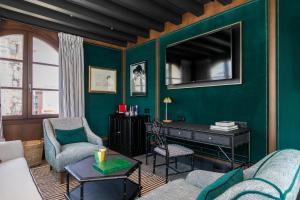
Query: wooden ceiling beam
(59, 18)
(170, 6)
(150, 9)
(204, 1)
(116, 11)
(189, 6)
(7, 14)
(225, 2)
(90, 16)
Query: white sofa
(15, 178)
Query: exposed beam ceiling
(170, 6)
(53, 16)
(150, 9)
(91, 16)
(112, 21)
(225, 2)
(58, 27)
(116, 11)
(189, 6)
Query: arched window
(28, 75)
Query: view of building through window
(18, 70)
(44, 78)
(11, 74)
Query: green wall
(137, 54)
(288, 74)
(245, 102)
(97, 105)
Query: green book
(111, 166)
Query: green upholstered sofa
(277, 176)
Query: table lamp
(167, 100)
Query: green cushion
(221, 185)
(70, 136)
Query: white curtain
(71, 76)
(1, 127)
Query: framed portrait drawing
(138, 79)
(102, 80)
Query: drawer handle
(209, 138)
(179, 132)
(119, 132)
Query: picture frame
(102, 80)
(138, 79)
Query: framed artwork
(102, 80)
(138, 79)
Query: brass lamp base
(167, 121)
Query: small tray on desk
(111, 166)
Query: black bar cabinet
(127, 134)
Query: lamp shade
(167, 100)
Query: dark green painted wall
(245, 102)
(98, 106)
(288, 71)
(137, 54)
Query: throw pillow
(218, 187)
(70, 136)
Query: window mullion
(29, 75)
(27, 90)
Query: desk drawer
(212, 139)
(180, 133)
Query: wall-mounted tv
(210, 59)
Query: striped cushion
(175, 150)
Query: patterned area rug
(51, 189)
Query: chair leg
(192, 162)
(154, 162)
(167, 169)
(62, 177)
(175, 163)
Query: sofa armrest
(91, 136)
(50, 137)
(10, 150)
(201, 178)
(252, 189)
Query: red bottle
(122, 108)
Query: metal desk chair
(169, 151)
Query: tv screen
(210, 57)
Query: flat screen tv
(209, 59)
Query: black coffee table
(94, 185)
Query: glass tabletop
(83, 170)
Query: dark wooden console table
(203, 134)
(127, 135)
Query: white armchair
(58, 156)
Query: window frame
(30, 74)
(27, 70)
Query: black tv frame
(237, 71)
